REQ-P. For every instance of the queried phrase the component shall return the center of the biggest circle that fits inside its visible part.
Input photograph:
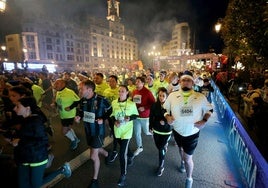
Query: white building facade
(97, 43)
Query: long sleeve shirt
(143, 98)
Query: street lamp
(154, 54)
(3, 57)
(2, 5)
(218, 26)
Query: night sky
(152, 20)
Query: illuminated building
(180, 41)
(94, 44)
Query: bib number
(89, 117)
(187, 111)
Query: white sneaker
(138, 151)
(188, 183)
(50, 160)
(149, 134)
(66, 170)
(182, 168)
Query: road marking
(76, 163)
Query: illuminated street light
(154, 54)
(24, 50)
(3, 48)
(2, 5)
(218, 26)
(3, 57)
(25, 54)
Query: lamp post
(218, 27)
(2, 6)
(3, 57)
(154, 54)
(24, 62)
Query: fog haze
(151, 20)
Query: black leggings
(111, 125)
(124, 153)
(161, 142)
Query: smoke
(151, 20)
(63, 8)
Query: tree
(245, 31)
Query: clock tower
(113, 10)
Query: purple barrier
(253, 164)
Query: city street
(214, 163)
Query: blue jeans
(140, 124)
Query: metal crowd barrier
(253, 164)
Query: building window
(9, 39)
(58, 49)
(29, 38)
(31, 45)
(58, 41)
(49, 47)
(48, 40)
(32, 55)
(50, 55)
(70, 57)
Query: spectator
(252, 92)
(260, 116)
(198, 82)
(207, 89)
(265, 91)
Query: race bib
(137, 99)
(187, 111)
(89, 117)
(121, 120)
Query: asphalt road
(215, 167)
